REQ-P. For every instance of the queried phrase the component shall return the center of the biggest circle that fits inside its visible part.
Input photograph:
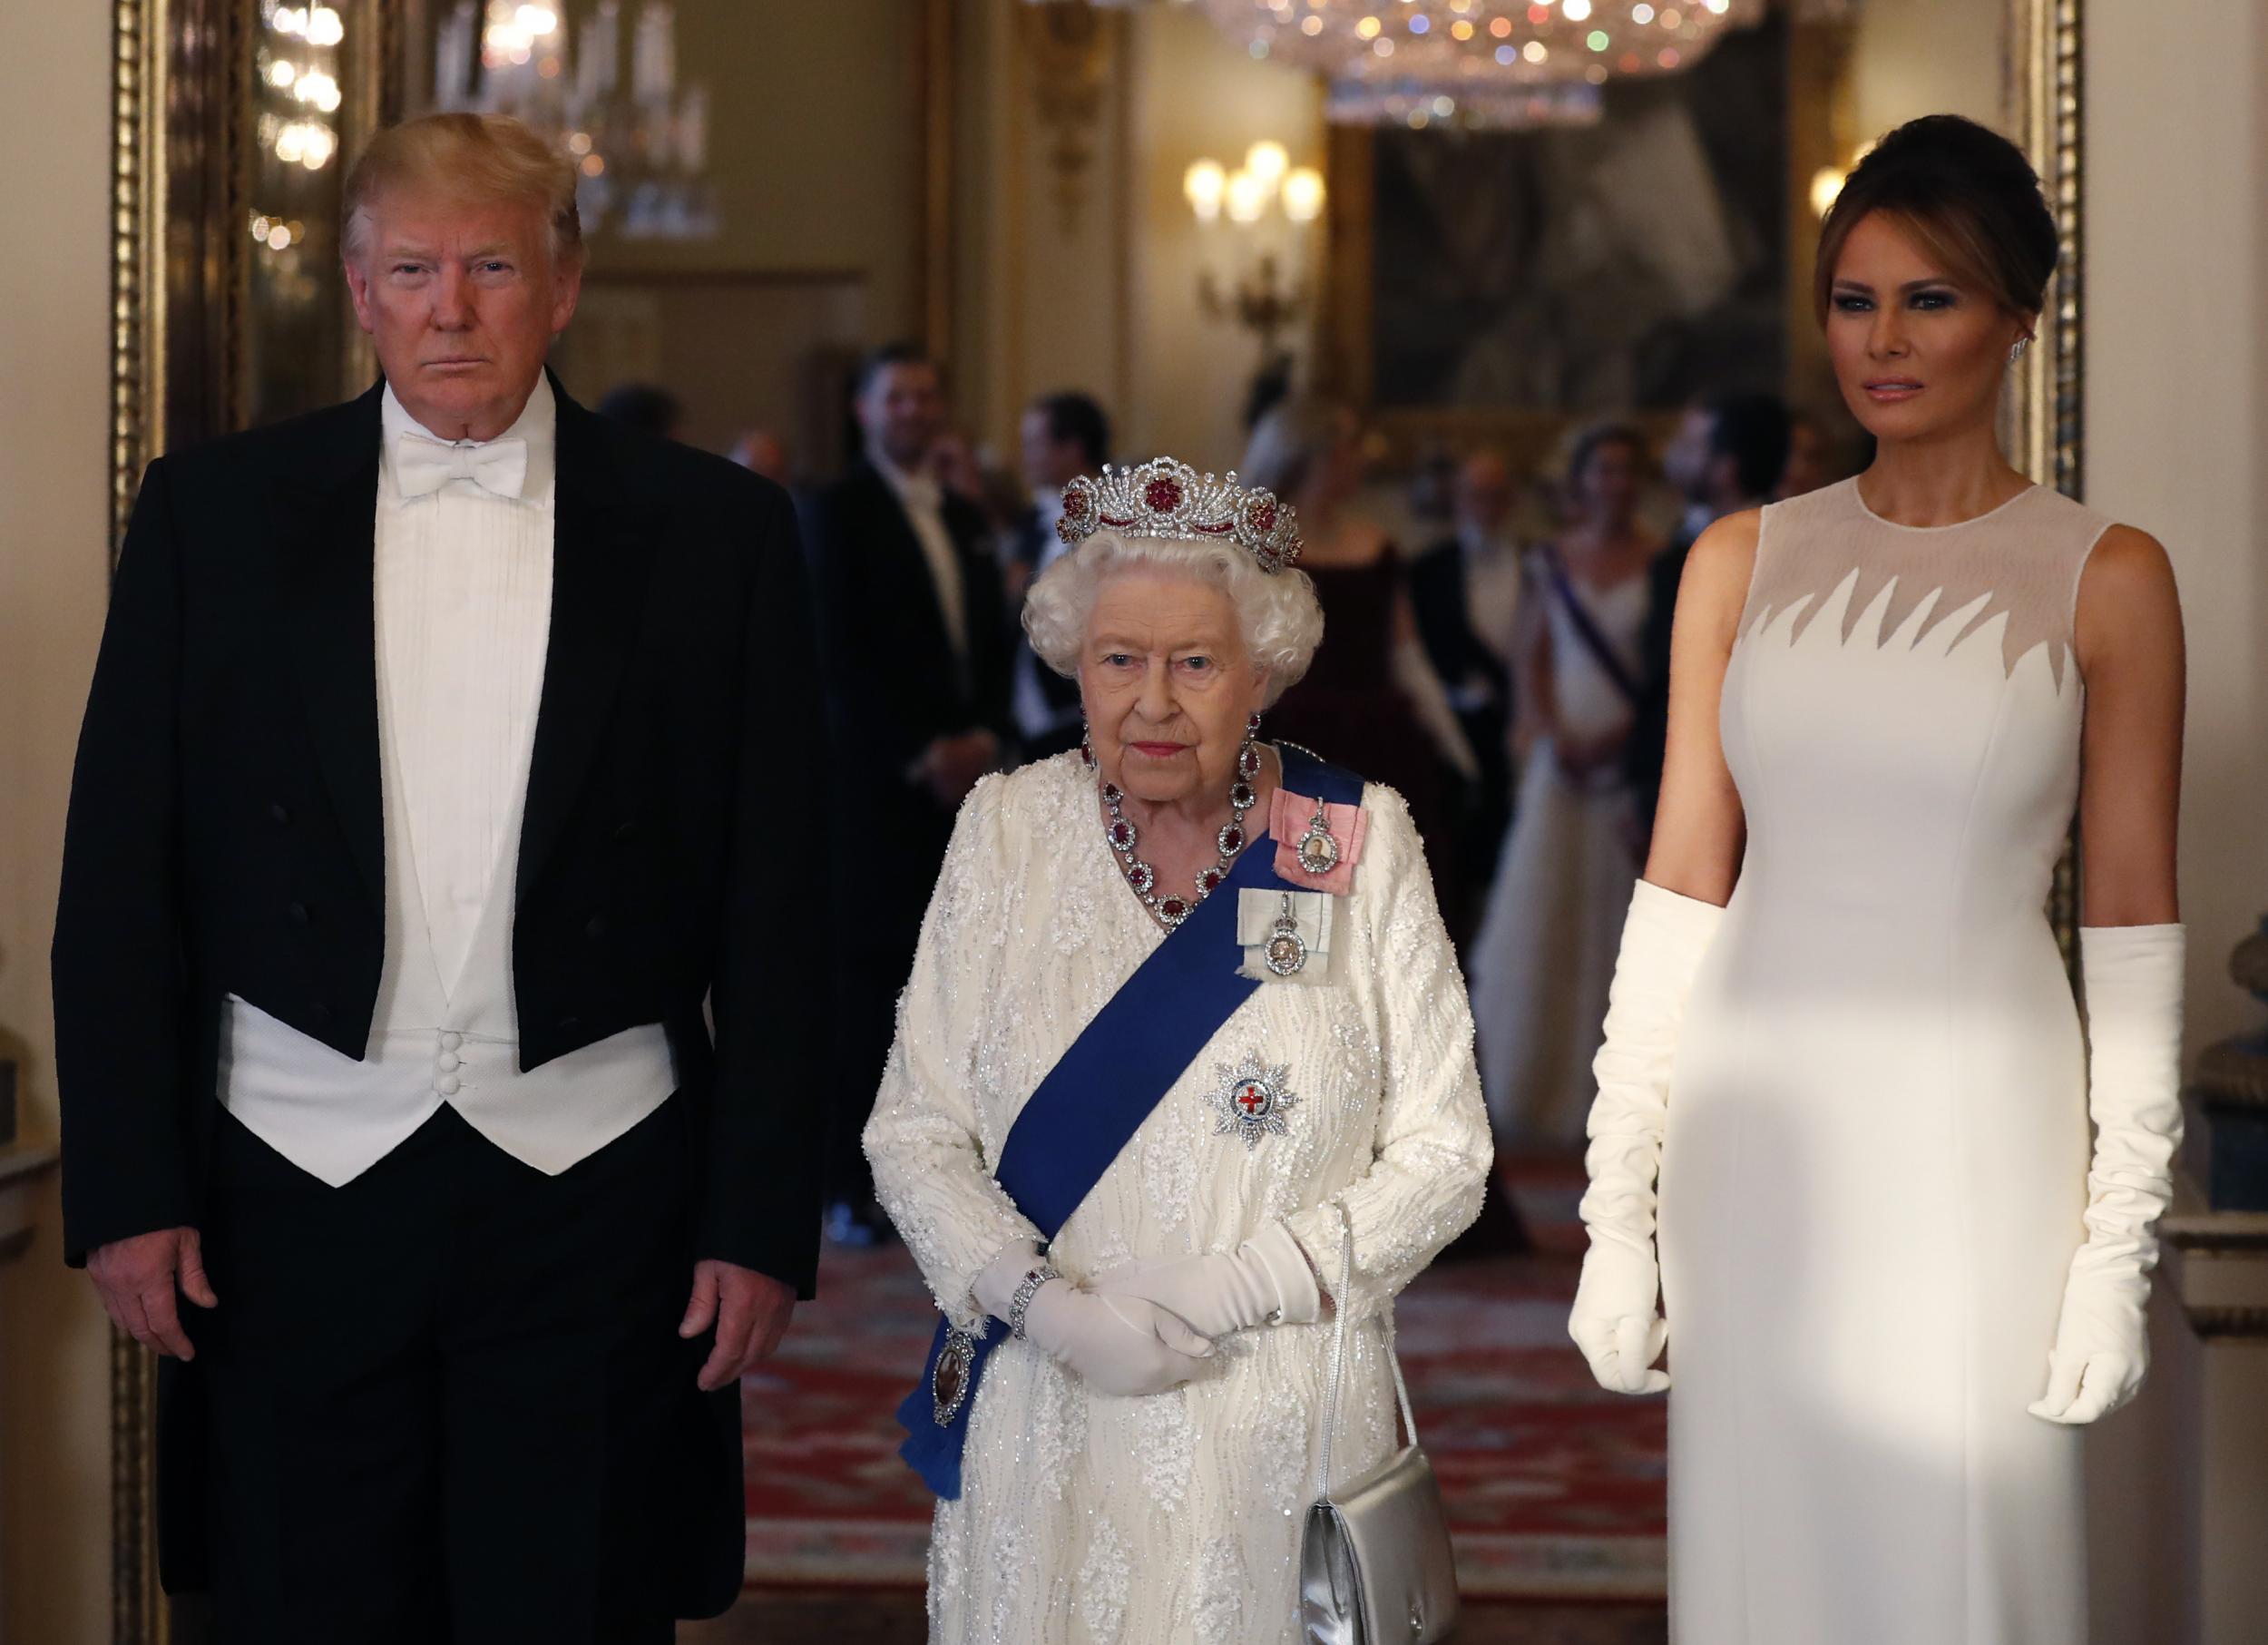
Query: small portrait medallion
(1285, 950)
(1318, 852)
(1252, 1099)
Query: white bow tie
(423, 466)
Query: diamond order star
(1252, 1098)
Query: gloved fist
(1119, 1344)
(1615, 1321)
(1266, 1281)
(2100, 1358)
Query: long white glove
(1267, 1280)
(1119, 1344)
(2133, 979)
(1616, 1319)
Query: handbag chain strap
(1338, 1363)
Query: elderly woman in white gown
(1149, 1070)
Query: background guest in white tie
(916, 647)
(435, 771)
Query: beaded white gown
(1876, 1158)
(1086, 1519)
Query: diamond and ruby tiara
(1163, 498)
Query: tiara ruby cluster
(1164, 498)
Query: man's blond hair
(465, 159)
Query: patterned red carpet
(1554, 1487)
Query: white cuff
(1298, 1298)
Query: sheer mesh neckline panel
(2021, 560)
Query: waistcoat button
(299, 916)
(282, 816)
(596, 928)
(447, 1085)
(448, 1062)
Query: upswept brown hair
(483, 158)
(1967, 194)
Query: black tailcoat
(226, 833)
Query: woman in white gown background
(1892, 1282)
(1546, 944)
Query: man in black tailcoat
(448, 751)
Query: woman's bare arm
(1699, 828)
(2131, 657)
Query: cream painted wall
(2177, 413)
(1196, 94)
(1915, 57)
(1041, 294)
(2177, 178)
(55, 77)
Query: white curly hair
(1281, 618)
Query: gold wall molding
(1068, 56)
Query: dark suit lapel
(602, 558)
(328, 570)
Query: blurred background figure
(1546, 948)
(915, 653)
(760, 451)
(645, 406)
(1809, 466)
(1064, 434)
(1372, 701)
(1730, 452)
(1465, 593)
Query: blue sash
(1105, 1085)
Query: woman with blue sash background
(1183, 1012)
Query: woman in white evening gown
(1893, 1281)
(1135, 1461)
(1546, 945)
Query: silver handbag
(1374, 1562)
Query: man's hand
(136, 1278)
(750, 1311)
(952, 764)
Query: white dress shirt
(1492, 578)
(463, 615)
(923, 501)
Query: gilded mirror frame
(180, 113)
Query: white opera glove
(2132, 976)
(1267, 1280)
(1119, 1344)
(1616, 1321)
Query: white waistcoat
(435, 1039)
(335, 1119)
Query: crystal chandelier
(1487, 63)
(640, 143)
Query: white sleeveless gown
(1545, 950)
(1877, 1149)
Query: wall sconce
(1268, 202)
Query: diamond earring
(2017, 353)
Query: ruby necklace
(1170, 911)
